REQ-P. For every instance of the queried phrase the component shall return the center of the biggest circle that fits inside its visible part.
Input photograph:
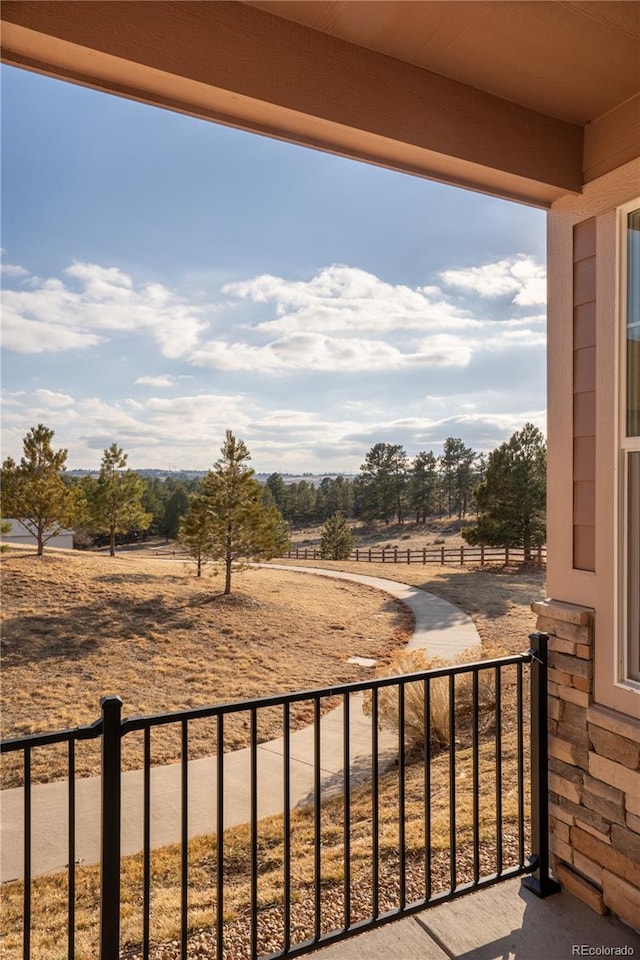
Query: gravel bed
(237, 936)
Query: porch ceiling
(572, 60)
(526, 100)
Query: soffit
(568, 59)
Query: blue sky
(165, 279)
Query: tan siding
(584, 458)
(584, 394)
(584, 325)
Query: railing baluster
(427, 788)
(286, 759)
(220, 838)
(498, 708)
(111, 806)
(71, 868)
(519, 709)
(401, 797)
(475, 762)
(346, 762)
(26, 906)
(317, 822)
(540, 882)
(254, 833)
(184, 813)
(452, 781)
(146, 843)
(375, 840)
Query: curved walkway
(440, 628)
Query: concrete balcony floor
(503, 922)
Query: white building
(20, 534)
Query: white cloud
(54, 315)
(317, 352)
(346, 300)
(522, 278)
(187, 431)
(161, 381)
(13, 270)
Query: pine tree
(512, 498)
(194, 534)
(115, 498)
(34, 492)
(423, 485)
(336, 541)
(240, 526)
(383, 477)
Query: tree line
(506, 489)
(389, 487)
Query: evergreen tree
(34, 491)
(383, 477)
(511, 500)
(278, 488)
(456, 464)
(336, 541)
(423, 485)
(240, 526)
(194, 534)
(175, 508)
(115, 498)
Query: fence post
(442, 556)
(482, 554)
(395, 554)
(408, 555)
(357, 554)
(540, 881)
(110, 817)
(462, 556)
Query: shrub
(415, 661)
(336, 542)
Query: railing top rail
(131, 724)
(88, 732)
(196, 713)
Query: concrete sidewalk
(504, 922)
(440, 628)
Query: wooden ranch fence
(450, 556)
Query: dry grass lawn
(76, 627)
(498, 600)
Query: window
(629, 647)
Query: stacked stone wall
(594, 773)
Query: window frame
(625, 445)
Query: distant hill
(313, 478)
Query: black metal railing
(402, 741)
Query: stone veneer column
(594, 773)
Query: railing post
(540, 881)
(110, 829)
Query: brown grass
(497, 598)
(499, 603)
(77, 627)
(49, 893)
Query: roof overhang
(241, 66)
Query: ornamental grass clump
(415, 729)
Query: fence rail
(451, 556)
(464, 713)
